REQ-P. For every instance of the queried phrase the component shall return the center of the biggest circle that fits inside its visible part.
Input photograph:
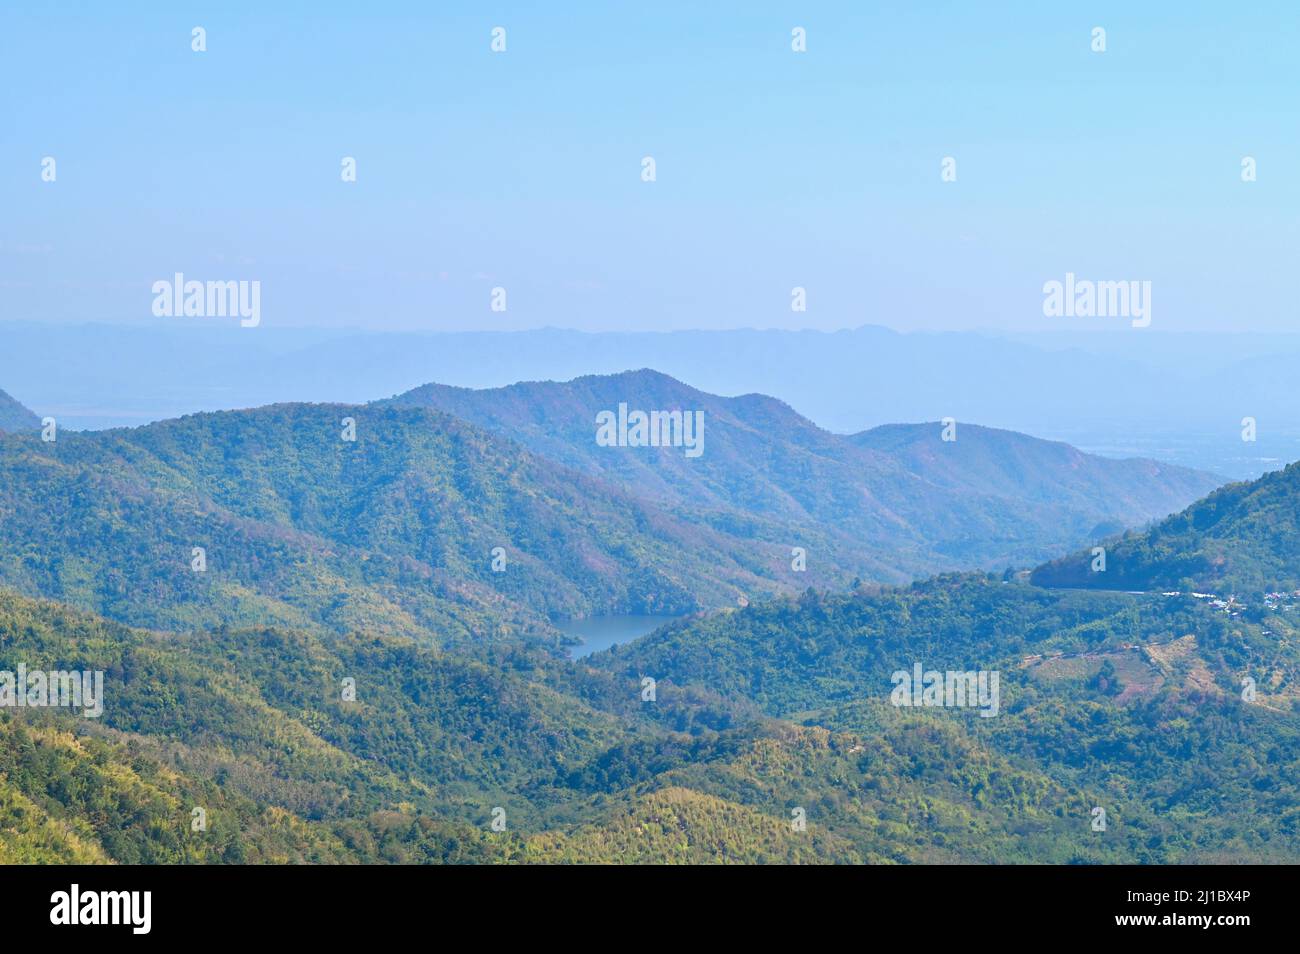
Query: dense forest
(779, 708)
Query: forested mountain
(794, 656)
(1041, 475)
(15, 417)
(899, 497)
(1243, 538)
(1133, 704)
(1071, 384)
(393, 532)
(253, 726)
(770, 732)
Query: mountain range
(348, 679)
(466, 516)
(397, 531)
(899, 496)
(15, 417)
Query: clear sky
(522, 169)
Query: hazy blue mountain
(1177, 398)
(15, 417)
(991, 461)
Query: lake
(601, 632)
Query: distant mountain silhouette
(1119, 394)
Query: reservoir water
(601, 632)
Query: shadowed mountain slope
(897, 495)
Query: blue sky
(775, 169)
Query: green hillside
(1041, 474)
(251, 725)
(1131, 703)
(1243, 538)
(391, 533)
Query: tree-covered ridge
(1038, 473)
(1132, 704)
(1243, 538)
(887, 505)
(251, 727)
(794, 655)
(394, 532)
(426, 524)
